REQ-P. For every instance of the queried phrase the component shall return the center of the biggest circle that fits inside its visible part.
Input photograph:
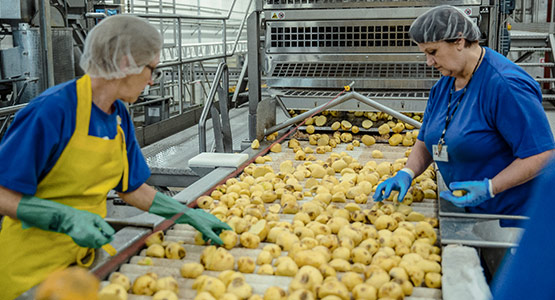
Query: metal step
(530, 49)
(546, 65)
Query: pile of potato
(337, 247)
(165, 288)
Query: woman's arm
(141, 198)
(9, 200)
(419, 158)
(519, 172)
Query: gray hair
(120, 45)
(442, 23)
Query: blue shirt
(529, 273)
(41, 130)
(499, 119)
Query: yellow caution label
(274, 16)
(110, 249)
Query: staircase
(526, 45)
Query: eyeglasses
(155, 74)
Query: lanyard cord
(449, 117)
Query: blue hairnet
(442, 23)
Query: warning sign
(278, 15)
(468, 11)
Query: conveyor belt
(185, 233)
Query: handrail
(193, 17)
(222, 68)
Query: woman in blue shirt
(69, 147)
(484, 124)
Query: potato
(175, 251)
(217, 260)
(364, 291)
(121, 279)
(287, 268)
(340, 265)
(167, 283)
(156, 250)
(377, 154)
(425, 230)
(308, 278)
(191, 270)
(378, 279)
(275, 250)
(275, 293)
(310, 258)
(245, 264)
(333, 288)
(204, 296)
(433, 280)
(320, 120)
(391, 290)
(361, 255)
(384, 129)
(112, 291)
(144, 285)
(255, 144)
(212, 285)
(260, 229)
(351, 279)
(395, 139)
(229, 238)
(249, 240)
(239, 288)
(385, 222)
(301, 295)
(264, 257)
(265, 270)
(147, 261)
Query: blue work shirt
(528, 274)
(41, 130)
(499, 119)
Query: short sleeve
(33, 143)
(520, 118)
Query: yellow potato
(121, 279)
(255, 144)
(167, 283)
(245, 264)
(191, 270)
(144, 285)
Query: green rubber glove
(210, 226)
(85, 228)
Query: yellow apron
(88, 168)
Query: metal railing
(222, 128)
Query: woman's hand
(205, 223)
(477, 192)
(400, 182)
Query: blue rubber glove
(206, 223)
(85, 228)
(400, 182)
(477, 192)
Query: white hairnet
(442, 23)
(120, 45)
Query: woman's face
(445, 57)
(133, 85)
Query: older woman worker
(68, 148)
(484, 124)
